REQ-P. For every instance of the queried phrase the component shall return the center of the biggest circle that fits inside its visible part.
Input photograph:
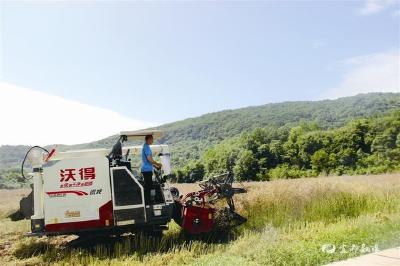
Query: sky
(78, 71)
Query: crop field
(308, 221)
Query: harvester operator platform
(147, 167)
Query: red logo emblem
(87, 173)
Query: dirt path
(386, 257)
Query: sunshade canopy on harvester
(140, 134)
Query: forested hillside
(363, 146)
(192, 136)
(189, 138)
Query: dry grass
(9, 200)
(305, 189)
(302, 187)
(288, 222)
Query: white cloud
(375, 6)
(379, 72)
(32, 117)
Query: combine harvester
(98, 191)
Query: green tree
(320, 161)
(246, 167)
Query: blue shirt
(146, 164)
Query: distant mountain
(10, 156)
(190, 137)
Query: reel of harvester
(204, 210)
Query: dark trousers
(148, 183)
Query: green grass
(300, 243)
(292, 244)
(327, 208)
(289, 221)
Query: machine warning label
(71, 214)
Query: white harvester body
(91, 190)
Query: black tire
(174, 192)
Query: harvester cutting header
(98, 190)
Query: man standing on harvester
(147, 167)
